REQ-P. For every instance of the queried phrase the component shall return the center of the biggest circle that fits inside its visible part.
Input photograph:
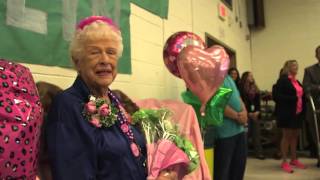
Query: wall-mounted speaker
(255, 14)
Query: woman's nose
(104, 58)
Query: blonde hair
(287, 66)
(97, 30)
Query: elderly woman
(89, 136)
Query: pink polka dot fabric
(20, 122)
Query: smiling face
(293, 68)
(234, 75)
(95, 51)
(250, 78)
(98, 65)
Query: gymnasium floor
(269, 169)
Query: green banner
(38, 32)
(158, 7)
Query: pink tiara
(88, 20)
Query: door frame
(211, 40)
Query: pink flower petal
(95, 122)
(135, 149)
(91, 107)
(104, 110)
(124, 128)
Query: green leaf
(157, 124)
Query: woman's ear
(76, 62)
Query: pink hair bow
(88, 20)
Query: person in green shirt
(223, 127)
(230, 146)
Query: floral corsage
(100, 113)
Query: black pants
(230, 156)
(255, 135)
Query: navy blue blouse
(78, 150)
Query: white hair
(92, 32)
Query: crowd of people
(72, 148)
(292, 110)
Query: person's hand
(242, 117)
(167, 175)
(254, 116)
(250, 115)
(257, 114)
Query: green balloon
(214, 108)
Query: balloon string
(202, 127)
(202, 120)
(202, 109)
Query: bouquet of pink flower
(166, 148)
(100, 113)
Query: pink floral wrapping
(20, 122)
(163, 155)
(185, 116)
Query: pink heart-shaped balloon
(203, 70)
(174, 45)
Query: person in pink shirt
(290, 109)
(20, 122)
